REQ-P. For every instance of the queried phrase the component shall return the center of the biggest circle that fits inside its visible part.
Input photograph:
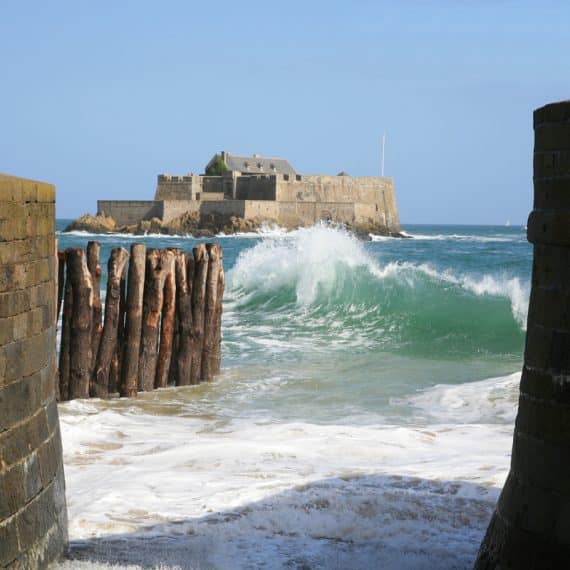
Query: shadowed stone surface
(530, 527)
(33, 518)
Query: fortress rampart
(33, 518)
(291, 200)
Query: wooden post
(116, 361)
(167, 323)
(217, 353)
(157, 264)
(64, 347)
(60, 281)
(198, 297)
(93, 252)
(81, 323)
(184, 278)
(173, 371)
(133, 321)
(108, 345)
(209, 351)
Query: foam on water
(310, 258)
(119, 235)
(488, 401)
(451, 237)
(266, 230)
(317, 257)
(325, 273)
(242, 493)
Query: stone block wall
(130, 212)
(256, 187)
(261, 210)
(530, 527)
(33, 517)
(312, 188)
(170, 187)
(223, 209)
(172, 209)
(215, 185)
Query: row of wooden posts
(162, 322)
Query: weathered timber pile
(161, 325)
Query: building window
(297, 177)
(197, 195)
(285, 177)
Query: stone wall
(33, 519)
(172, 209)
(307, 213)
(309, 188)
(530, 527)
(256, 187)
(215, 185)
(177, 187)
(223, 210)
(130, 212)
(170, 187)
(367, 201)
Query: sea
(362, 419)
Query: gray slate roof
(257, 164)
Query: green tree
(217, 167)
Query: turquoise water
(359, 322)
(377, 380)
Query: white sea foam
(319, 258)
(512, 288)
(310, 258)
(265, 231)
(200, 492)
(453, 237)
(489, 401)
(115, 235)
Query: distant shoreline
(105, 225)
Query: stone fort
(264, 189)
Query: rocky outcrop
(99, 224)
(190, 223)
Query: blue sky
(100, 97)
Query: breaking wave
(323, 283)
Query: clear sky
(99, 97)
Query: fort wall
(289, 200)
(33, 518)
(312, 188)
(256, 188)
(171, 187)
(130, 212)
(215, 185)
(223, 210)
(177, 187)
(172, 209)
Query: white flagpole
(383, 145)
